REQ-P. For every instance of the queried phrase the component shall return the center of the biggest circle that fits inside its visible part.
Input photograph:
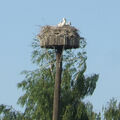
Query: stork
(62, 23)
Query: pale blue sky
(97, 20)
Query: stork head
(64, 19)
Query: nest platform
(54, 37)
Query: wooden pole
(56, 103)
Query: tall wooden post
(58, 37)
(56, 103)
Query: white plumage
(63, 23)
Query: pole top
(62, 35)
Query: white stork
(62, 23)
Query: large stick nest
(48, 34)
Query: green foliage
(38, 86)
(92, 115)
(76, 112)
(8, 113)
(112, 110)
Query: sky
(97, 20)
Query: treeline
(38, 87)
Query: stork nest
(54, 32)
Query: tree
(38, 85)
(9, 113)
(91, 114)
(112, 110)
